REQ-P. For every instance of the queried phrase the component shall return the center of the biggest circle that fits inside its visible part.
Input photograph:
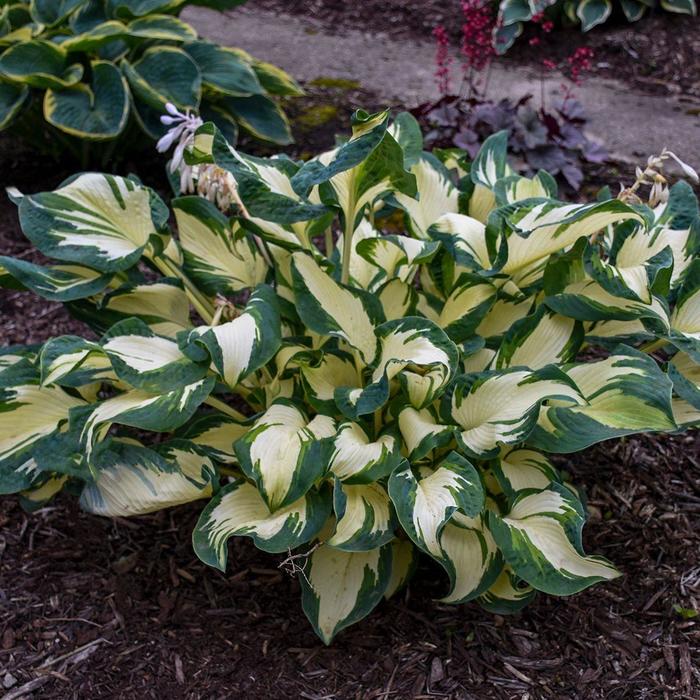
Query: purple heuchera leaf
(594, 152)
(573, 175)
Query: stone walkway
(632, 125)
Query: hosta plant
(586, 13)
(100, 70)
(369, 357)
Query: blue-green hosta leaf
(684, 372)
(284, 452)
(491, 163)
(165, 74)
(538, 340)
(131, 479)
(593, 12)
(412, 349)
(404, 561)
(365, 517)
(102, 221)
(219, 257)
(12, 97)
(58, 282)
(238, 509)
(683, 7)
(541, 227)
(520, 469)
(340, 588)
(541, 540)
(466, 306)
(436, 195)
(329, 308)
(50, 12)
(425, 505)
(274, 80)
(507, 595)
(223, 70)
(625, 393)
(39, 64)
(95, 37)
(422, 432)
(215, 433)
(125, 9)
(633, 9)
(685, 319)
(147, 361)
(162, 28)
(501, 408)
(139, 409)
(95, 112)
(359, 460)
(261, 116)
(505, 36)
(239, 347)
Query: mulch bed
(658, 54)
(99, 608)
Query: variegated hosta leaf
(340, 588)
(515, 188)
(398, 299)
(246, 343)
(685, 414)
(541, 540)
(148, 361)
(424, 505)
(365, 517)
(29, 412)
(684, 372)
(163, 306)
(538, 340)
(139, 409)
(329, 308)
(284, 452)
(625, 393)
(541, 227)
(469, 556)
(394, 257)
(466, 240)
(466, 307)
(507, 595)
(685, 320)
(404, 560)
(238, 509)
(334, 370)
(436, 195)
(58, 282)
(102, 221)
(422, 432)
(219, 257)
(491, 163)
(358, 460)
(42, 491)
(131, 479)
(71, 361)
(521, 469)
(501, 408)
(215, 434)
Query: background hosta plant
(586, 13)
(101, 70)
(339, 387)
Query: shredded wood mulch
(98, 608)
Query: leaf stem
(653, 345)
(225, 408)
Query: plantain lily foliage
(586, 13)
(93, 69)
(369, 357)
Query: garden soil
(98, 608)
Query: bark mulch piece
(658, 54)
